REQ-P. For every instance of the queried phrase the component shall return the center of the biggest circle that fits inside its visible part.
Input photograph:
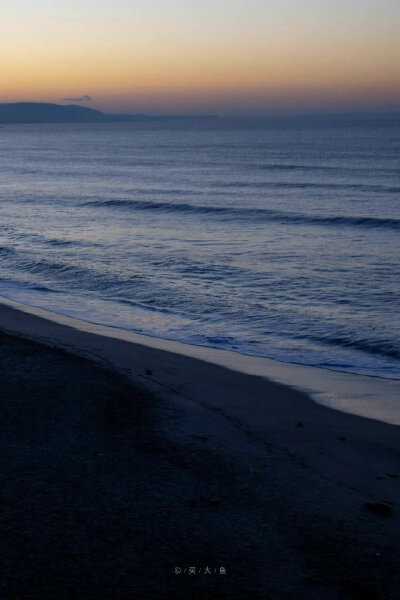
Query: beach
(129, 469)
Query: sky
(203, 56)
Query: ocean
(271, 237)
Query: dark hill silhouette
(38, 112)
(44, 112)
(41, 112)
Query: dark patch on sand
(382, 509)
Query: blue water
(274, 237)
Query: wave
(16, 235)
(60, 242)
(6, 251)
(319, 167)
(78, 278)
(376, 347)
(251, 214)
(310, 185)
(133, 291)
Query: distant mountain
(40, 112)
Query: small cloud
(80, 99)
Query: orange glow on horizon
(126, 67)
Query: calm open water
(274, 237)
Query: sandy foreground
(133, 471)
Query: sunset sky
(191, 56)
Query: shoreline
(366, 396)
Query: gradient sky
(191, 56)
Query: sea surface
(271, 237)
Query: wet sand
(118, 469)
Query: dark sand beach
(116, 472)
